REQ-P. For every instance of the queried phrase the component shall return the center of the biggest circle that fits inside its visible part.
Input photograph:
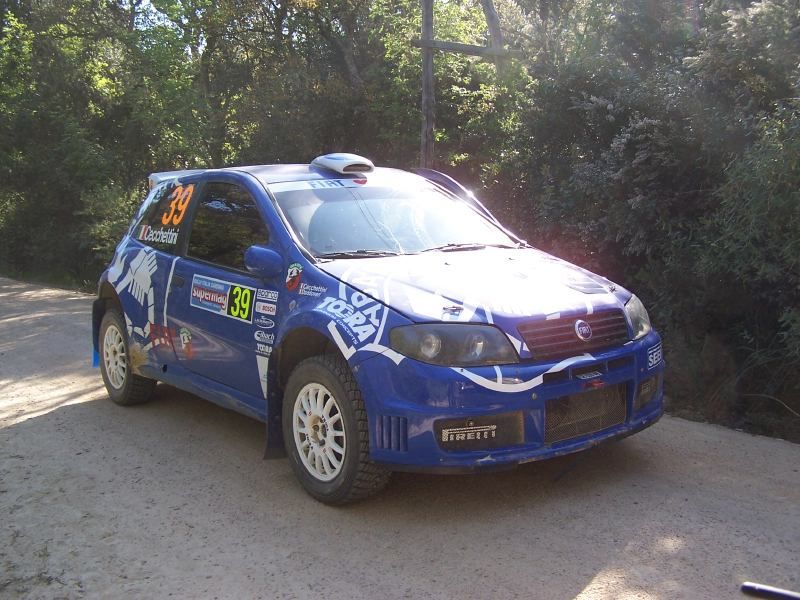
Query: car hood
(489, 285)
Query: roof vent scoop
(344, 163)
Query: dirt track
(173, 499)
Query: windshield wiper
(468, 246)
(358, 254)
(452, 247)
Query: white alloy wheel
(319, 432)
(114, 357)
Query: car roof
(268, 174)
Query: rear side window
(164, 215)
(226, 224)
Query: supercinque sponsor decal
(223, 298)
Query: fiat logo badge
(583, 330)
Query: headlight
(638, 317)
(454, 344)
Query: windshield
(378, 220)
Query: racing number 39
(240, 301)
(180, 197)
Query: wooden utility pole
(428, 98)
(428, 45)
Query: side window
(226, 224)
(163, 215)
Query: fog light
(646, 391)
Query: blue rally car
(375, 319)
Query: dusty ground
(172, 499)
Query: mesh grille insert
(587, 412)
(556, 338)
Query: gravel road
(173, 499)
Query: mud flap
(274, 428)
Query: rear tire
(326, 433)
(123, 386)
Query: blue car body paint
(219, 332)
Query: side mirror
(263, 262)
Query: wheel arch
(299, 344)
(303, 341)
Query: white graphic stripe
(511, 388)
(263, 365)
(396, 357)
(169, 283)
(347, 351)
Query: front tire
(123, 386)
(326, 434)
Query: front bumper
(423, 417)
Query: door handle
(177, 281)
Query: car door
(214, 300)
(140, 269)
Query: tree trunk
(428, 97)
(495, 32)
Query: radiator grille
(556, 338)
(391, 433)
(587, 412)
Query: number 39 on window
(180, 197)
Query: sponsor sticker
(264, 338)
(223, 298)
(317, 184)
(360, 315)
(589, 375)
(161, 334)
(476, 432)
(307, 289)
(490, 431)
(268, 295)
(654, 356)
(293, 275)
(186, 341)
(263, 322)
(263, 349)
(265, 308)
(158, 236)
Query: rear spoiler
(156, 178)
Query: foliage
(655, 141)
